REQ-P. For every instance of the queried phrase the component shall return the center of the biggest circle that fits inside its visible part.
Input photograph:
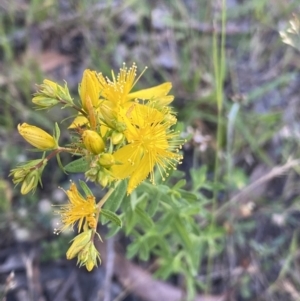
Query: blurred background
(257, 206)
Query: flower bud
(20, 172)
(30, 181)
(117, 138)
(171, 119)
(103, 179)
(89, 256)
(19, 175)
(107, 114)
(89, 87)
(50, 93)
(44, 101)
(106, 160)
(93, 142)
(79, 243)
(37, 137)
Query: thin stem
(103, 201)
(105, 198)
(73, 106)
(53, 154)
(219, 70)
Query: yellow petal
(145, 166)
(151, 93)
(79, 121)
(129, 158)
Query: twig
(109, 268)
(274, 172)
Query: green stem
(219, 70)
(73, 106)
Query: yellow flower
(93, 142)
(89, 88)
(37, 137)
(78, 210)
(118, 89)
(150, 143)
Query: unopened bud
(37, 137)
(117, 138)
(108, 115)
(104, 178)
(106, 160)
(30, 182)
(44, 101)
(79, 242)
(93, 142)
(89, 87)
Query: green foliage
(163, 221)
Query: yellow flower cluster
(82, 212)
(133, 127)
(119, 133)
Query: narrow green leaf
(115, 199)
(59, 163)
(77, 166)
(111, 216)
(144, 251)
(179, 184)
(182, 233)
(114, 229)
(189, 196)
(134, 201)
(133, 249)
(57, 132)
(153, 203)
(198, 176)
(85, 188)
(130, 222)
(144, 217)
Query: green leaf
(165, 270)
(111, 216)
(153, 203)
(134, 201)
(182, 233)
(131, 221)
(179, 184)
(85, 188)
(78, 166)
(133, 249)
(59, 163)
(57, 132)
(115, 199)
(198, 177)
(144, 217)
(114, 229)
(189, 196)
(144, 251)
